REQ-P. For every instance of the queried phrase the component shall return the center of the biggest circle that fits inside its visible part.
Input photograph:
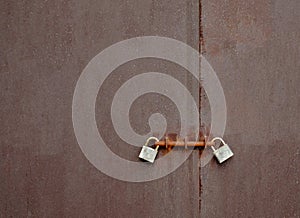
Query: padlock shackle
(218, 138)
(151, 138)
(212, 147)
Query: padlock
(148, 153)
(223, 152)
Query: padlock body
(223, 153)
(148, 154)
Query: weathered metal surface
(254, 48)
(44, 47)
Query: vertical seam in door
(201, 43)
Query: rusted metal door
(45, 45)
(253, 47)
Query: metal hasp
(223, 153)
(147, 153)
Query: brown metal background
(252, 45)
(45, 45)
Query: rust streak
(201, 51)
